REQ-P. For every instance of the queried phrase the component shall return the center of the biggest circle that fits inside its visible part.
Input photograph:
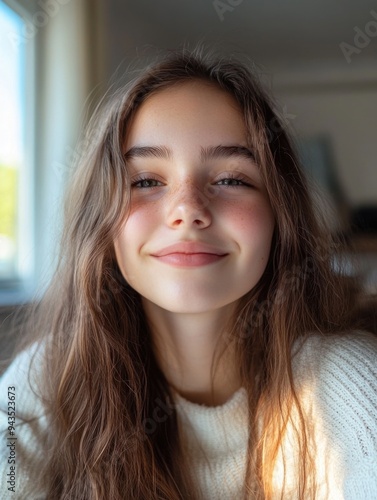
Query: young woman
(195, 342)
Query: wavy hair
(104, 382)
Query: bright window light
(12, 142)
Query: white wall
(343, 106)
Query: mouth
(189, 248)
(180, 259)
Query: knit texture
(336, 381)
(215, 439)
(30, 437)
(337, 385)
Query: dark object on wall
(317, 157)
(318, 160)
(364, 219)
(365, 314)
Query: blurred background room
(58, 58)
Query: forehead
(196, 109)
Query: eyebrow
(148, 152)
(214, 152)
(208, 153)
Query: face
(194, 181)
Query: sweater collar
(216, 430)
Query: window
(45, 81)
(16, 214)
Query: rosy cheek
(249, 216)
(142, 219)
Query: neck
(185, 345)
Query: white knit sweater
(337, 385)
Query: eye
(144, 182)
(234, 181)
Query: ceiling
(269, 31)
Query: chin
(188, 305)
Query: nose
(190, 205)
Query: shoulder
(23, 424)
(344, 359)
(341, 371)
(340, 367)
(337, 376)
(23, 376)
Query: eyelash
(229, 176)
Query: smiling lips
(189, 254)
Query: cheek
(139, 226)
(252, 226)
(141, 220)
(252, 221)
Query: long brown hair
(102, 381)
